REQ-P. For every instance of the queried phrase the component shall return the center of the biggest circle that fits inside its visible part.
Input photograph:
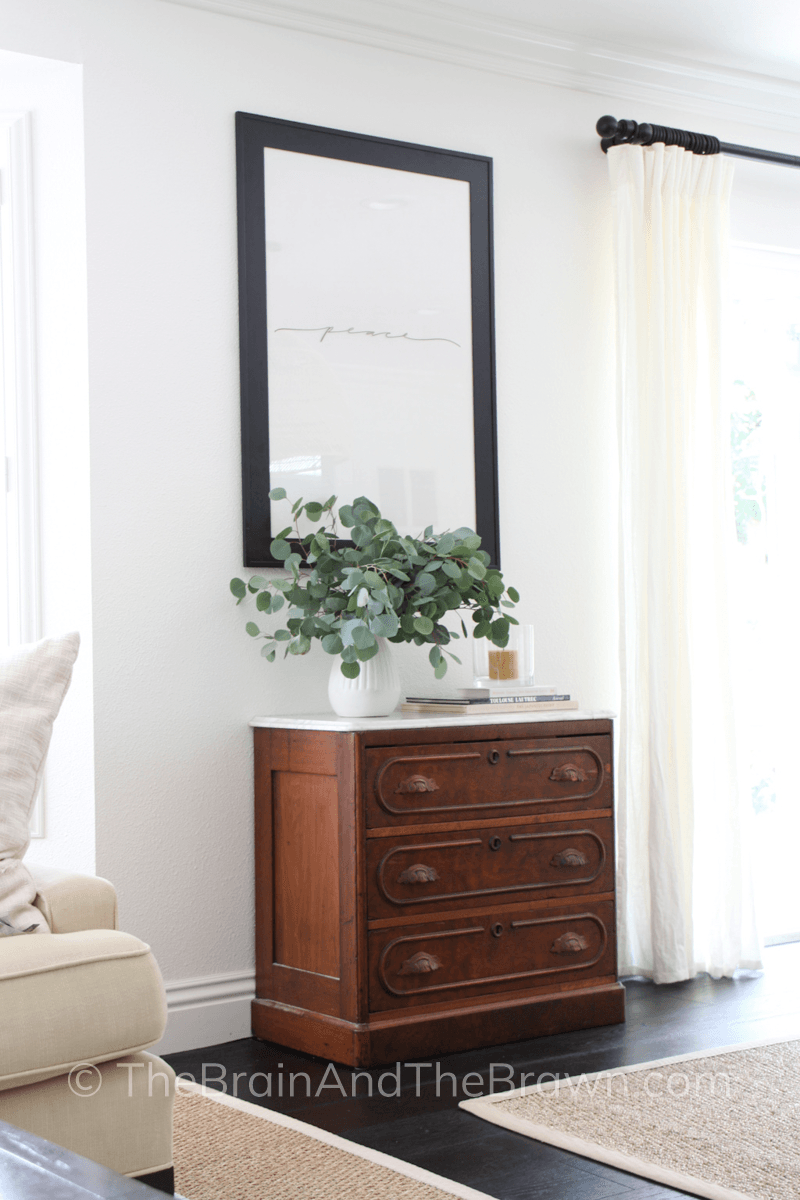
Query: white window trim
(19, 391)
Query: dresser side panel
(305, 830)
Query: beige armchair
(78, 1008)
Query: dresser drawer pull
(421, 963)
(568, 773)
(495, 843)
(497, 929)
(418, 873)
(493, 757)
(570, 943)
(417, 783)
(569, 858)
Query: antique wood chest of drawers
(430, 885)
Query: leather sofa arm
(71, 903)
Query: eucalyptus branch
(382, 585)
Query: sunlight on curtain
(685, 891)
(763, 359)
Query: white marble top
(401, 720)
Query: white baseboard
(207, 1011)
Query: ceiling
(715, 57)
(762, 36)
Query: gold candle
(504, 664)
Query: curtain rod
(620, 133)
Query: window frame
(20, 542)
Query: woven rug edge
(630, 1068)
(409, 1170)
(484, 1108)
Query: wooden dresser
(425, 885)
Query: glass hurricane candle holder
(510, 667)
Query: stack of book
(481, 700)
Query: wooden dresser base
(393, 1037)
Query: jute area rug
(229, 1149)
(722, 1124)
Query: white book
(483, 709)
(506, 689)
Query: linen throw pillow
(33, 682)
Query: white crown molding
(437, 30)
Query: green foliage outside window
(749, 485)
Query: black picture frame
(254, 133)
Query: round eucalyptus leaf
(423, 625)
(239, 588)
(362, 637)
(500, 629)
(280, 549)
(277, 493)
(351, 670)
(252, 629)
(386, 625)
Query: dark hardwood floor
(423, 1124)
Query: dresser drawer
(441, 872)
(527, 947)
(416, 784)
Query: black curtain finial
(620, 133)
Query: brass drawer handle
(568, 773)
(569, 943)
(417, 783)
(418, 873)
(569, 858)
(421, 963)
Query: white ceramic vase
(374, 692)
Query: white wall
(175, 677)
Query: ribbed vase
(374, 692)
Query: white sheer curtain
(685, 892)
